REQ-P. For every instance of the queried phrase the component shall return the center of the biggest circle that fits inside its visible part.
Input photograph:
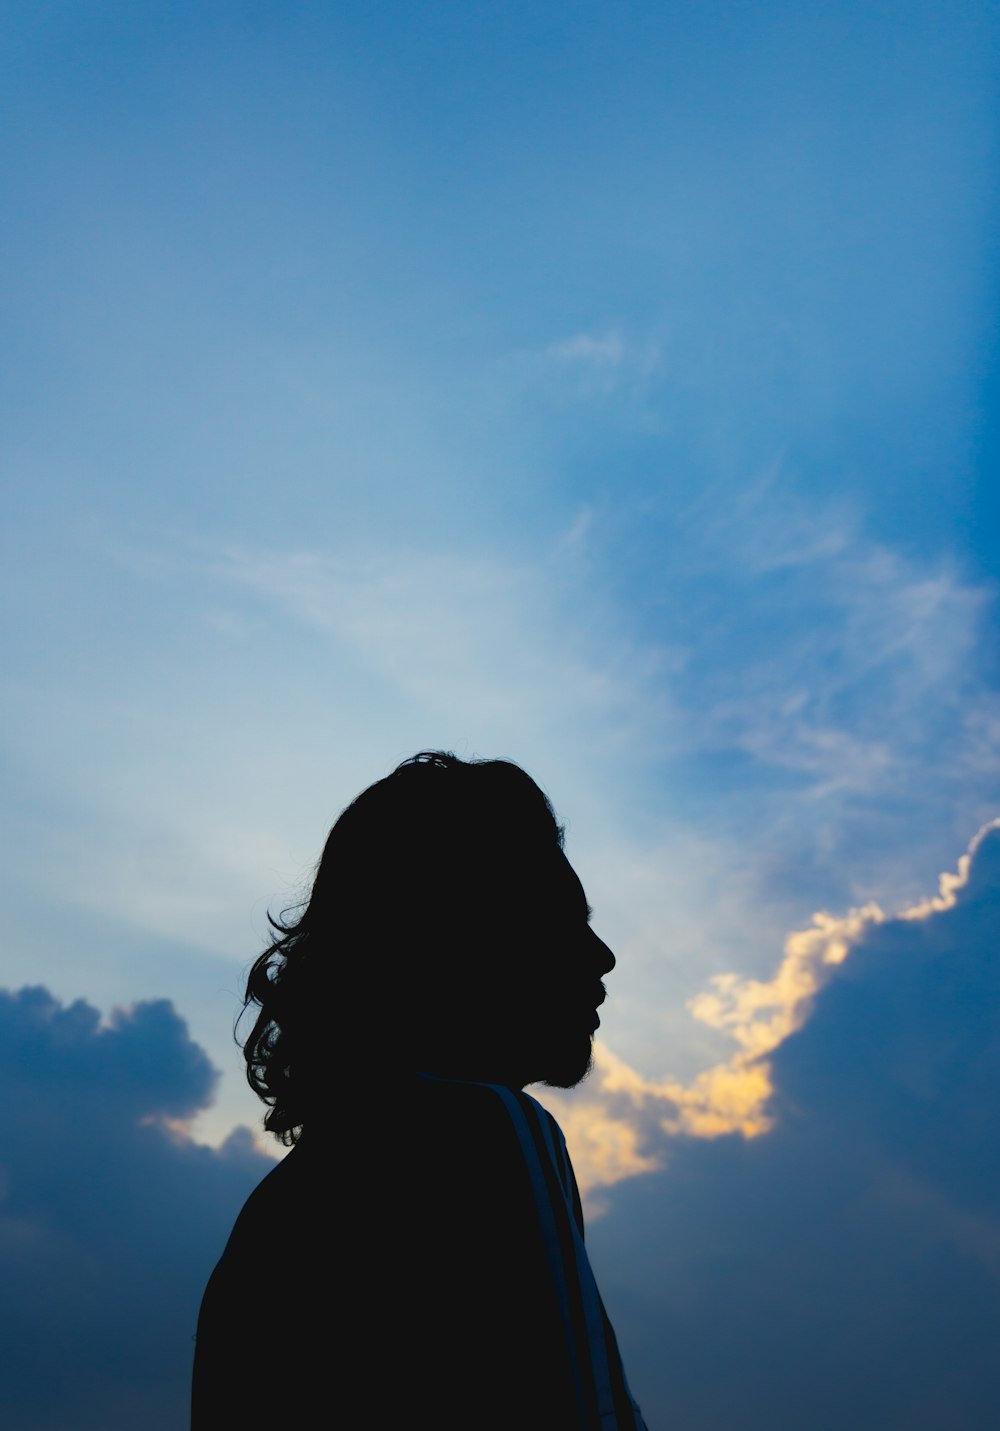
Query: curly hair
(412, 865)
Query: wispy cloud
(476, 636)
(823, 651)
(607, 366)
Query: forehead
(549, 880)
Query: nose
(603, 957)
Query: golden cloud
(615, 1122)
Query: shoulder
(275, 1202)
(277, 1193)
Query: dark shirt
(418, 1261)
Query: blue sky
(607, 387)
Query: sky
(610, 387)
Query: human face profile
(565, 961)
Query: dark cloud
(842, 1271)
(110, 1218)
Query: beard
(570, 1063)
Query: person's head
(445, 933)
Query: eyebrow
(590, 911)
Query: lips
(600, 996)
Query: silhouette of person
(417, 1259)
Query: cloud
(829, 654)
(840, 1265)
(605, 350)
(111, 1218)
(606, 367)
(512, 649)
(613, 1121)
